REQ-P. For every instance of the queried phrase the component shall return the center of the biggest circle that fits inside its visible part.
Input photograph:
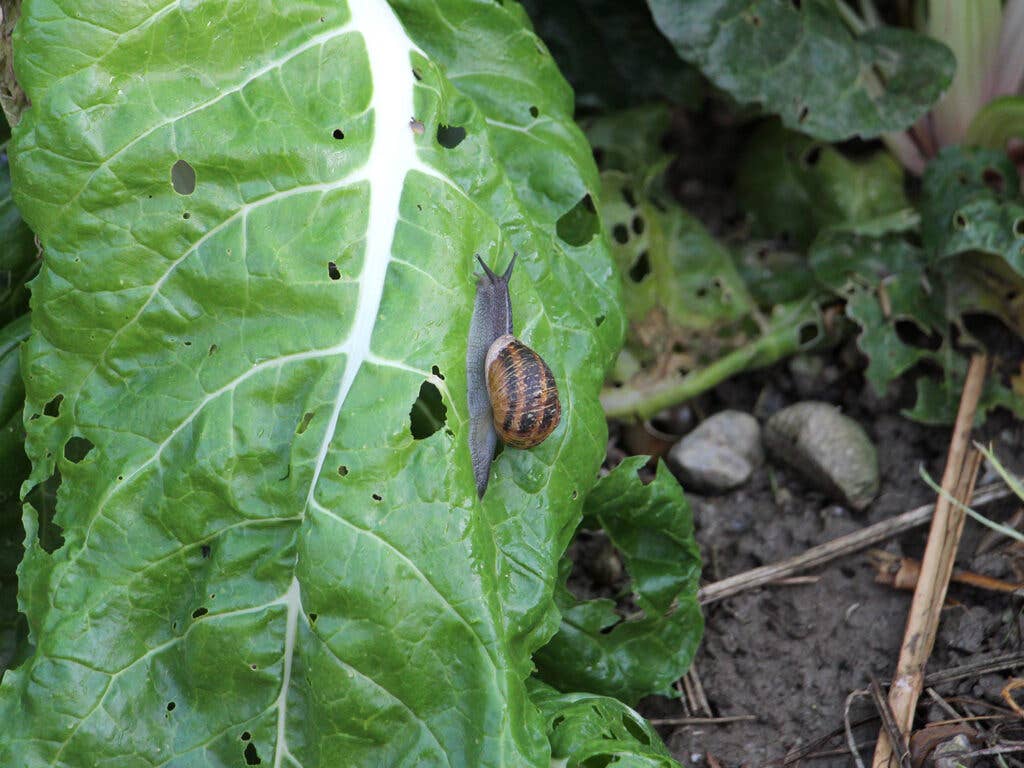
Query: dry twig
(903, 573)
(830, 550)
(937, 565)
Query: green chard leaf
(681, 289)
(596, 650)
(801, 62)
(259, 228)
(971, 201)
(793, 187)
(587, 730)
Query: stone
(829, 450)
(720, 454)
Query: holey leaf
(259, 224)
(798, 59)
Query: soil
(788, 656)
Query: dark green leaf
(14, 468)
(587, 730)
(883, 282)
(970, 200)
(18, 261)
(612, 54)
(793, 187)
(595, 650)
(801, 62)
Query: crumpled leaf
(596, 650)
(862, 85)
(971, 200)
(793, 187)
(906, 306)
(884, 282)
(260, 562)
(681, 291)
(613, 55)
(587, 730)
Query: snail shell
(523, 394)
(511, 392)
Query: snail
(512, 394)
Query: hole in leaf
(641, 269)
(437, 372)
(338, 134)
(598, 321)
(77, 448)
(638, 225)
(199, 612)
(246, 735)
(428, 412)
(597, 761)
(629, 197)
(306, 418)
(579, 225)
(186, 215)
(993, 180)
(534, 112)
(450, 136)
(251, 756)
(808, 334)
(183, 177)
(802, 116)
(960, 221)
(204, 551)
(342, 470)
(1018, 227)
(634, 728)
(170, 706)
(557, 721)
(620, 233)
(43, 498)
(332, 271)
(312, 618)
(377, 497)
(52, 408)
(911, 334)
(253, 667)
(812, 156)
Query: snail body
(511, 391)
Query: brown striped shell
(524, 397)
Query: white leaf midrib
(392, 155)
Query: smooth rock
(720, 454)
(828, 449)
